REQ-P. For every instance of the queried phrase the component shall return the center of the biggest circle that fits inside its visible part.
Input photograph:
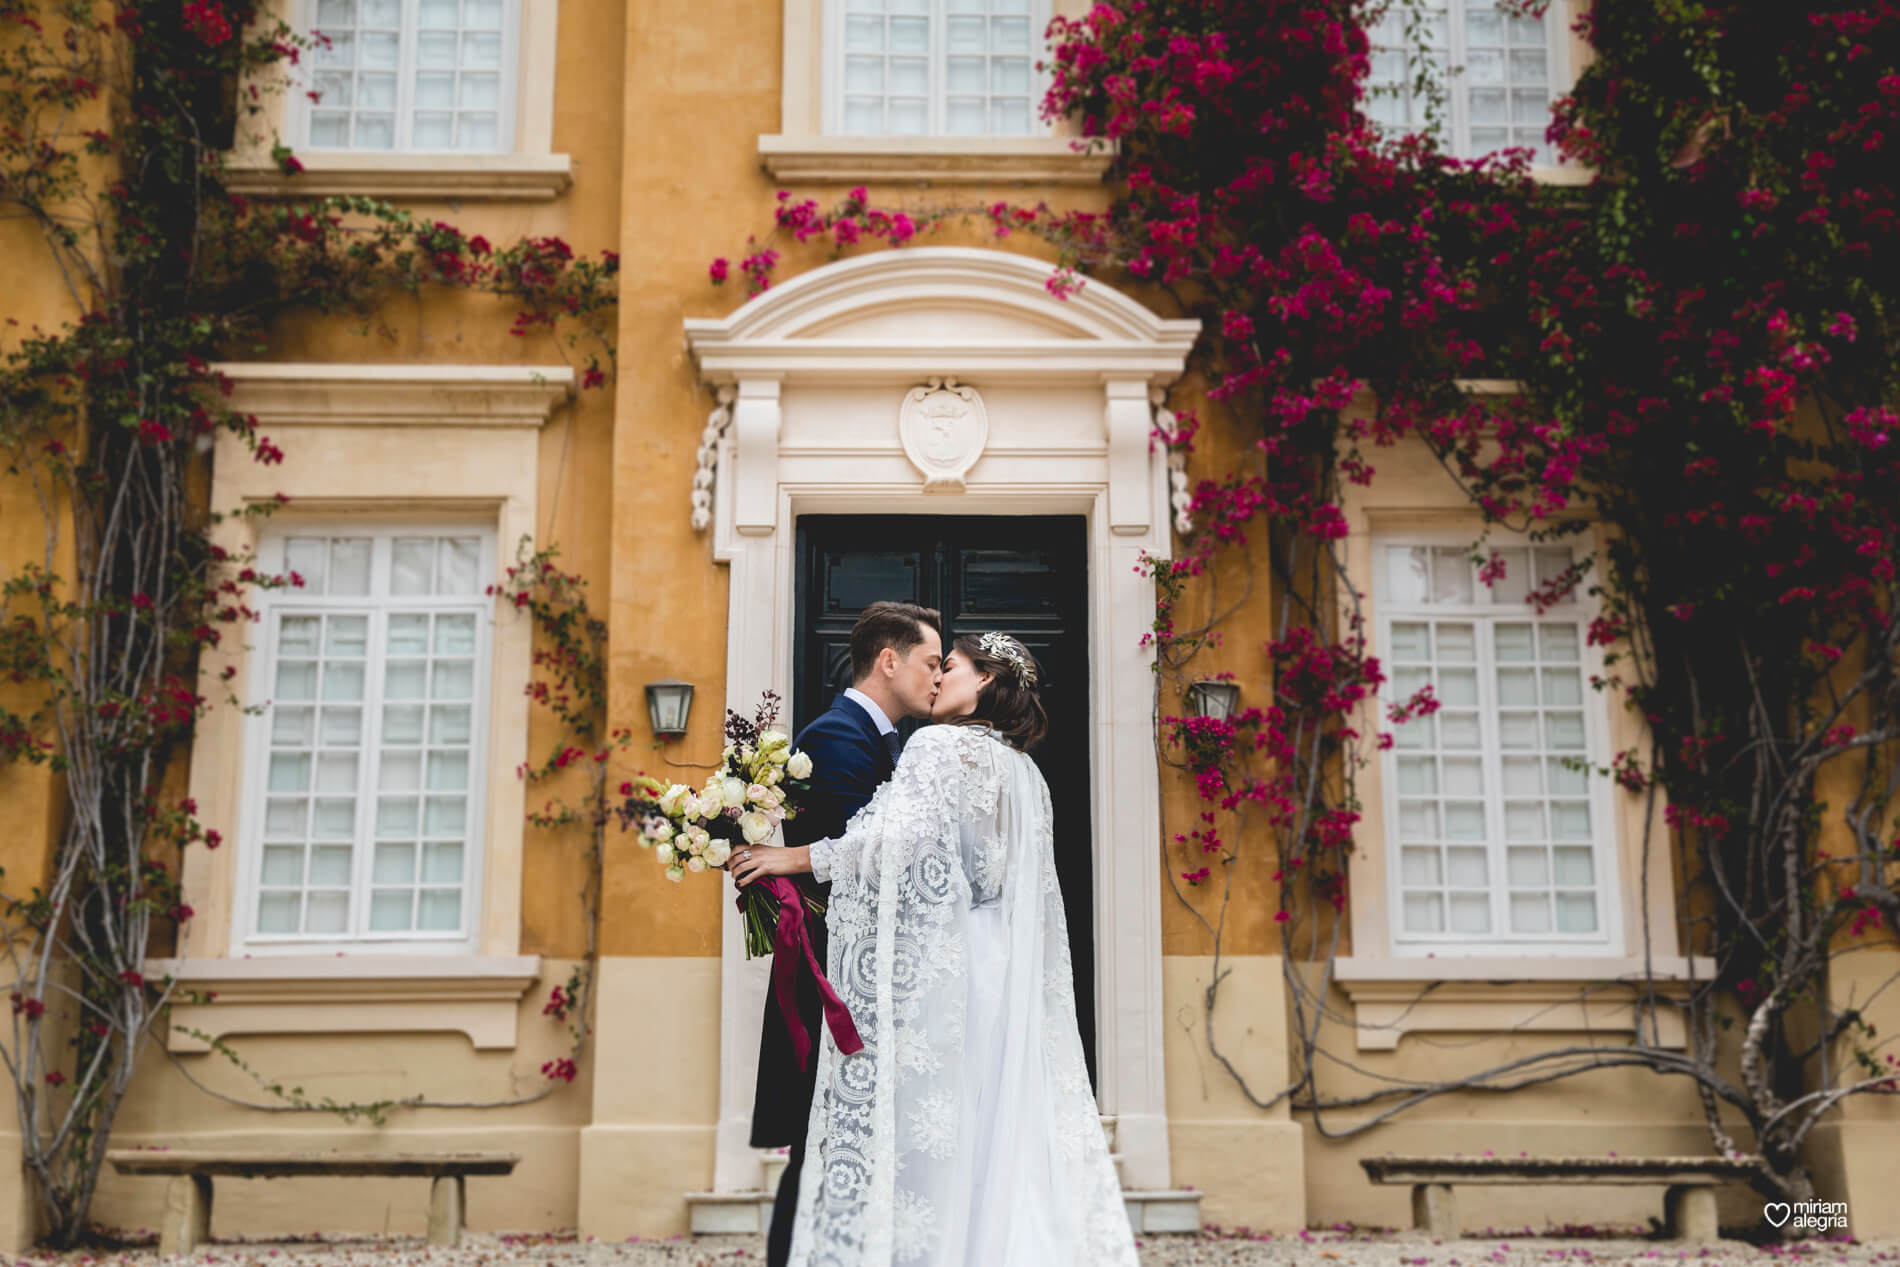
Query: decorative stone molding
(1129, 423)
(707, 471)
(1179, 496)
(832, 325)
(368, 442)
(476, 996)
(944, 429)
(1392, 997)
(755, 424)
(816, 363)
(933, 160)
(406, 177)
(351, 395)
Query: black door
(1025, 576)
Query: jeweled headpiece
(1000, 646)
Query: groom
(896, 665)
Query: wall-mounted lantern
(668, 703)
(1208, 698)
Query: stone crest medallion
(944, 428)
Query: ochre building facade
(418, 458)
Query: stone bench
(187, 1220)
(1688, 1197)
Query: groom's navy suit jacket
(849, 761)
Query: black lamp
(1209, 698)
(668, 703)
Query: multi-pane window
(1493, 71)
(416, 75)
(1495, 830)
(367, 772)
(936, 67)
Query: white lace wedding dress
(965, 1132)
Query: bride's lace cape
(896, 1144)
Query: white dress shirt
(884, 724)
(821, 849)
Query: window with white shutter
(1497, 829)
(364, 810)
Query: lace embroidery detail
(916, 1226)
(933, 1125)
(893, 1160)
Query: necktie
(892, 742)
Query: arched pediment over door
(952, 381)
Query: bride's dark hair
(1008, 705)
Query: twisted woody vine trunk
(113, 122)
(1703, 351)
(98, 425)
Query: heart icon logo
(1777, 1212)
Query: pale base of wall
(1855, 1161)
(750, 1213)
(19, 1211)
(630, 1179)
(729, 1213)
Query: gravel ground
(1338, 1248)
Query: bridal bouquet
(741, 803)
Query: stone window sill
(408, 177)
(1392, 997)
(932, 160)
(1562, 174)
(476, 995)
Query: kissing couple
(964, 1132)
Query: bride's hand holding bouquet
(738, 807)
(741, 804)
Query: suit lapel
(868, 728)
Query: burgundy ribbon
(794, 939)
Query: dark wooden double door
(1023, 575)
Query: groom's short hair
(899, 626)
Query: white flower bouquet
(741, 803)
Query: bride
(964, 1132)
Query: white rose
(755, 827)
(799, 767)
(689, 806)
(713, 798)
(734, 791)
(757, 792)
(676, 874)
(699, 838)
(671, 798)
(665, 854)
(770, 739)
(661, 833)
(718, 852)
(695, 864)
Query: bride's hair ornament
(1005, 648)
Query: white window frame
(1603, 835)
(271, 605)
(832, 75)
(508, 109)
(1457, 118)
